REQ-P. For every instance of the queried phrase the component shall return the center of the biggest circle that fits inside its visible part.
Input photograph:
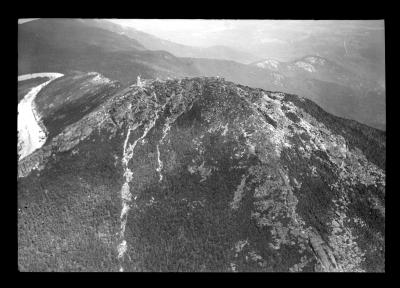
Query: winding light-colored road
(31, 134)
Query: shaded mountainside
(74, 34)
(26, 85)
(69, 98)
(68, 44)
(202, 174)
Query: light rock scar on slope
(151, 108)
(126, 194)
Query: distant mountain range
(154, 43)
(67, 48)
(122, 53)
(338, 89)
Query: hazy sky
(244, 34)
(189, 32)
(198, 32)
(207, 32)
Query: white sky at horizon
(23, 20)
(183, 31)
(201, 32)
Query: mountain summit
(202, 174)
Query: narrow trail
(31, 132)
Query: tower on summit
(138, 81)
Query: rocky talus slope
(201, 174)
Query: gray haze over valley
(348, 80)
(191, 145)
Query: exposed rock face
(202, 174)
